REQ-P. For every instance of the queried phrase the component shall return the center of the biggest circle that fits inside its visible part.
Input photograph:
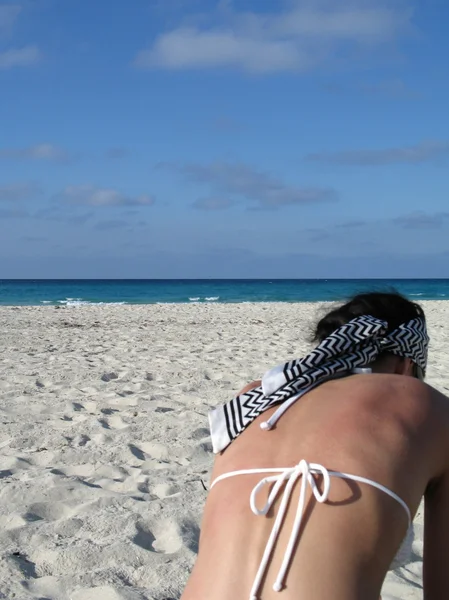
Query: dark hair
(388, 306)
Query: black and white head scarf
(352, 346)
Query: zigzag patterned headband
(354, 345)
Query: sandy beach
(104, 445)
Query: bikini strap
(289, 476)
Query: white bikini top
(289, 476)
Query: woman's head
(391, 307)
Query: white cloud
(294, 39)
(48, 152)
(185, 48)
(243, 182)
(19, 57)
(89, 195)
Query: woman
(323, 465)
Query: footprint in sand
(111, 472)
(137, 452)
(114, 422)
(165, 490)
(42, 458)
(89, 406)
(202, 452)
(212, 376)
(164, 538)
(144, 538)
(144, 486)
(46, 587)
(69, 527)
(109, 411)
(81, 440)
(155, 450)
(13, 521)
(101, 438)
(109, 377)
(190, 533)
(11, 464)
(200, 433)
(86, 470)
(124, 400)
(25, 566)
(48, 511)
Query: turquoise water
(79, 292)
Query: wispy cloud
(418, 219)
(419, 153)
(19, 57)
(213, 203)
(44, 152)
(11, 57)
(422, 220)
(60, 214)
(294, 39)
(15, 192)
(8, 16)
(245, 183)
(351, 224)
(89, 195)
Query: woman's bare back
(389, 428)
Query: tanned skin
(386, 426)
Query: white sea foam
(81, 302)
(206, 299)
(108, 303)
(73, 302)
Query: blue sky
(206, 138)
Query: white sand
(104, 443)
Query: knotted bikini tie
(289, 476)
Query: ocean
(154, 291)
